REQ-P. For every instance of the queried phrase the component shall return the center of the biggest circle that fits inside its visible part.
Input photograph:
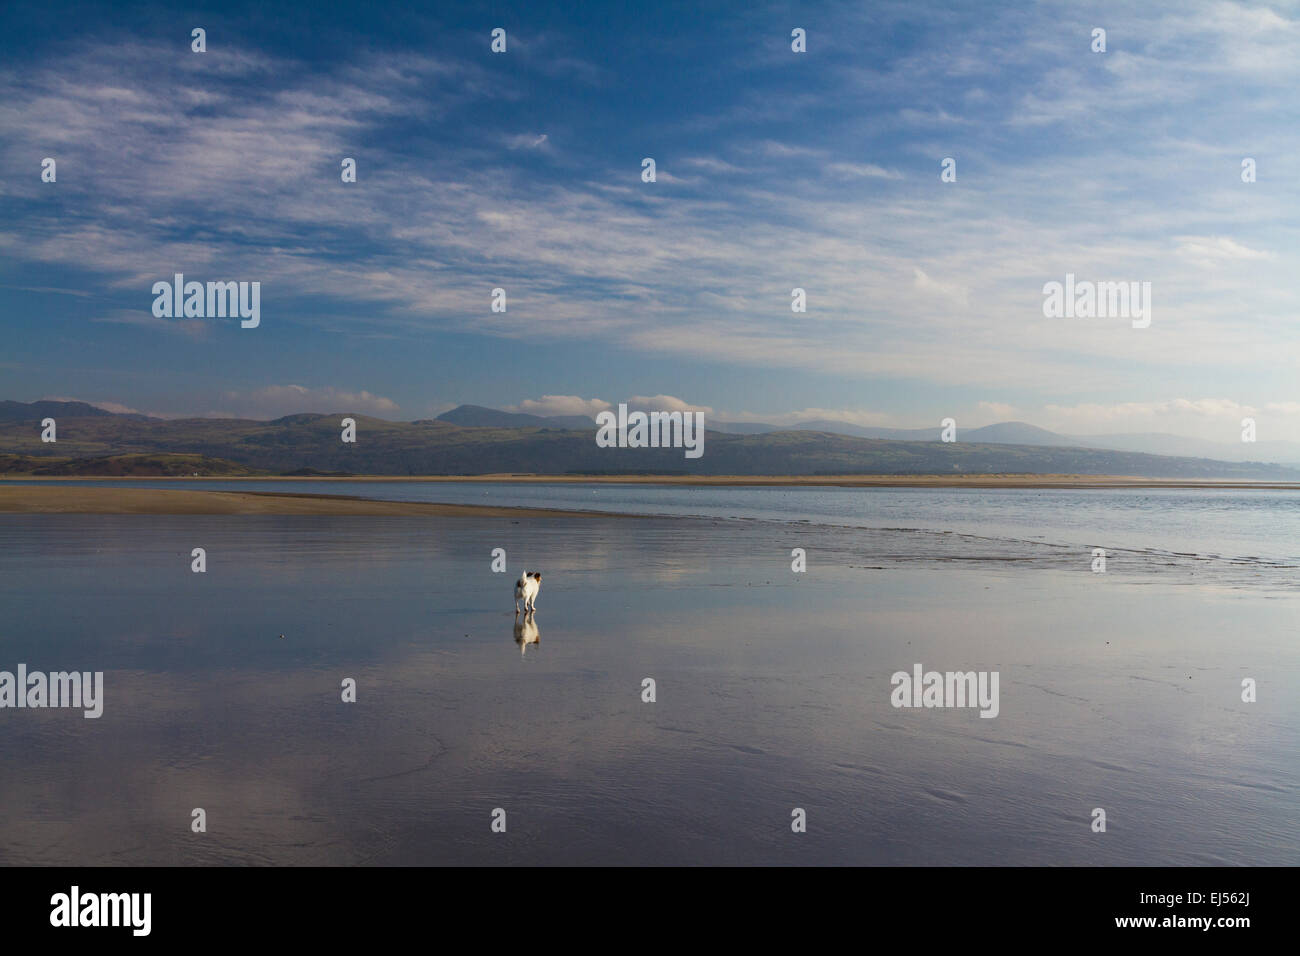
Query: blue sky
(775, 170)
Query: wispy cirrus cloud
(821, 174)
(537, 141)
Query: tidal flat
(1119, 691)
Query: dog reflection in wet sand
(526, 632)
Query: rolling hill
(1022, 433)
(310, 444)
(477, 416)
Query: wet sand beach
(34, 499)
(737, 481)
(1119, 690)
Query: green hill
(123, 466)
(312, 442)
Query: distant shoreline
(30, 499)
(842, 481)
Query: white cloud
(850, 416)
(1201, 407)
(559, 405)
(197, 329)
(665, 403)
(707, 272)
(861, 170)
(528, 141)
(1000, 411)
(924, 284)
(777, 150)
(276, 401)
(1202, 417)
(117, 408)
(711, 164)
(1216, 249)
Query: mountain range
(1003, 433)
(471, 440)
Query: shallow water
(1120, 691)
(1215, 537)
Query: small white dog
(527, 587)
